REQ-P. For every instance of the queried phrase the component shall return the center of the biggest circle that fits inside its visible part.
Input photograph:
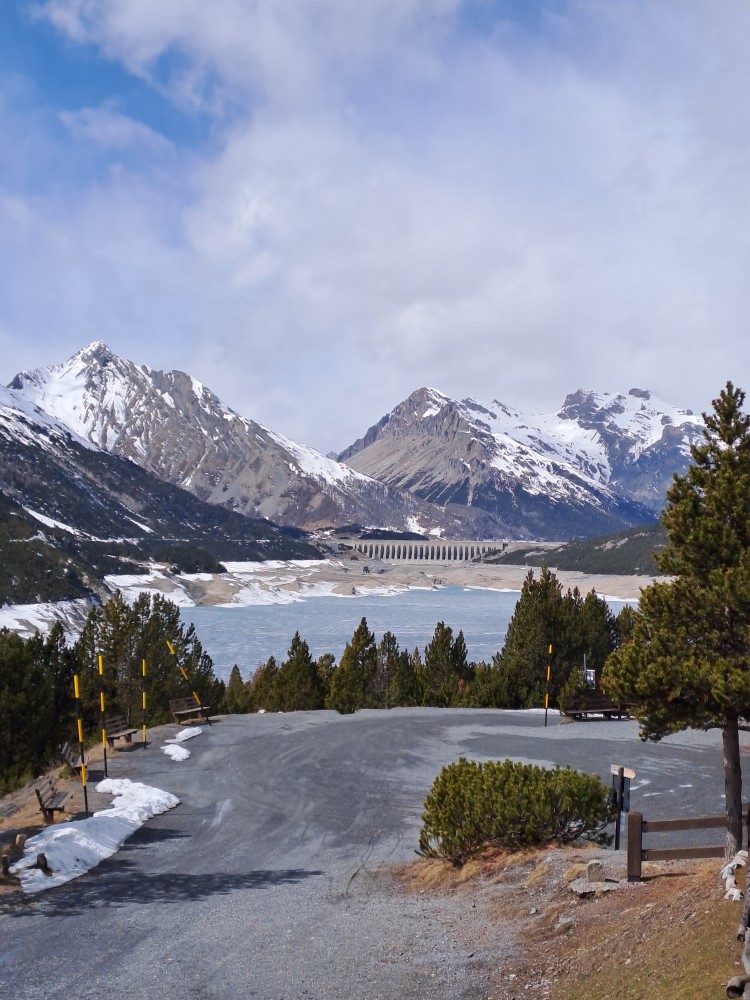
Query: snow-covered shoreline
(286, 582)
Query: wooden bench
(183, 709)
(68, 755)
(596, 703)
(50, 800)
(116, 727)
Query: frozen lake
(247, 636)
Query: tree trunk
(732, 786)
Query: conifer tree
(237, 697)
(263, 689)
(446, 668)
(325, 667)
(395, 681)
(351, 684)
(687, 662)
(536, 624)
(25, 711)
(298, 684)
(125, 635)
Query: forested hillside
(69, 515)
(626, 553)
(37, 708)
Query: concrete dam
(394, 550)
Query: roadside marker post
(549, 674)
(621, 792)
(184, 673)
(76, 691)
(101, 713)
(143, 698)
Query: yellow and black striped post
(77, 693)
(187, 680)
(143, 698)
(102, 720)
(549, 674)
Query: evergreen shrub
(474, 805)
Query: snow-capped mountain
(461, 468)
(70, 512)
(173, 426)
(599, 459)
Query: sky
(317, 206)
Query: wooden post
(635, 846)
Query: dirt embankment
(671, 935)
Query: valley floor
(281, 582)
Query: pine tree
(325, 667)
(536, 624)
(298, 684)
(446, 670)
(575, 627)
(395, 682)
(237, 697)
(25, 711)
(351, 684)
(687, 661)
(126, 635)
(263, 688)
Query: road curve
(272, 878)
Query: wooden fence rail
(637, 826)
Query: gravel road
(273, 878)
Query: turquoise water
(247, 636)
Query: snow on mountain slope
(176, 428)
(23, 420)
(70, 509)
(610, 454)
(463, 468)
(597, 434)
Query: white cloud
(112, 130)
(393, 198)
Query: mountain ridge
(612, 454)
(459, 468)
(72, 513)
(176, 428)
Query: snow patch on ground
(186, 734)
(28, 619)
(131, 585)
(74, 848)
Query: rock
(595, 871)
(582, 887)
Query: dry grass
(670, 935)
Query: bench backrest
(68, 754)
(179, 703)
(47, 790)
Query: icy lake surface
(247, 636)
